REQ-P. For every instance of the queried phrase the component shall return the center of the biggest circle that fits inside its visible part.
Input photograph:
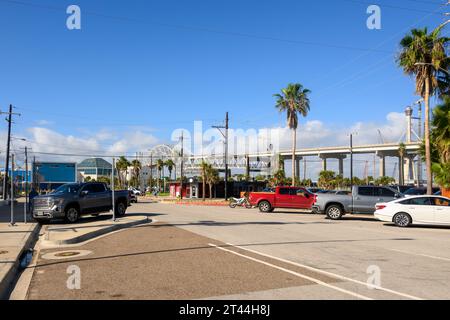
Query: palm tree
(204, 169)
(160, 168)
(440, 143)
(401, 154)
(212, 178)
(122, 166)
(170, 165)
(441, 130)
(294, 100)
(137, 166)
(423, 56)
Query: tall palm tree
(293, 100)
(160, 168)
(204, 166)
(212, 178)
(137, 166)
(441, 129)
(170, 165)
(122, 166)
(423, 55)
(401, 154)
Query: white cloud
(48, 144)
(313, 133)
(43, 123)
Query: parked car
(418, 192)
(343, 192)
(425, 210)
(133, 197)
(361, 200)
(71, 201)
(314, 190)
(401, 189)
(135, 191)
(283, 197)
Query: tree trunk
(294, 144)
(204, 189)
(427, 138)
(210, 191)
(401, 173)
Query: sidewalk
(13, 242)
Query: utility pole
(26, 185)
(151, 171)
(12, 223)
(182, 165)
(8, 144)
(351, 161)
(225, 135)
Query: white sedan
(424, 210)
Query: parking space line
(319, 282)
(336, 276)
(421, 255)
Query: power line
(207, 30)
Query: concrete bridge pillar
(297, 167)
(382, 165)
(324, 164)
(341, 166)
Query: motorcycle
(242, 202)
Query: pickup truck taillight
(380, 207)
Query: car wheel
(335, 212)
(120, 209)
(264, 206)
(402, 220)
(72, 215)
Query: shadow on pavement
(391, 225)
(207, 247)
(86, 220)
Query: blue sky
(154, 66)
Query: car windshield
(67, 188)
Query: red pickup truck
(283, 197)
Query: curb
(11, 274)
(94, 234)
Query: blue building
(51, 175)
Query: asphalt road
(216, 252)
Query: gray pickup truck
(362, 200)
(71, 201)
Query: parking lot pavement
(162, 262)
(211, 252)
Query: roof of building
(95, 163)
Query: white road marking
(421, 255)
(356, 295)
(328, 273)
